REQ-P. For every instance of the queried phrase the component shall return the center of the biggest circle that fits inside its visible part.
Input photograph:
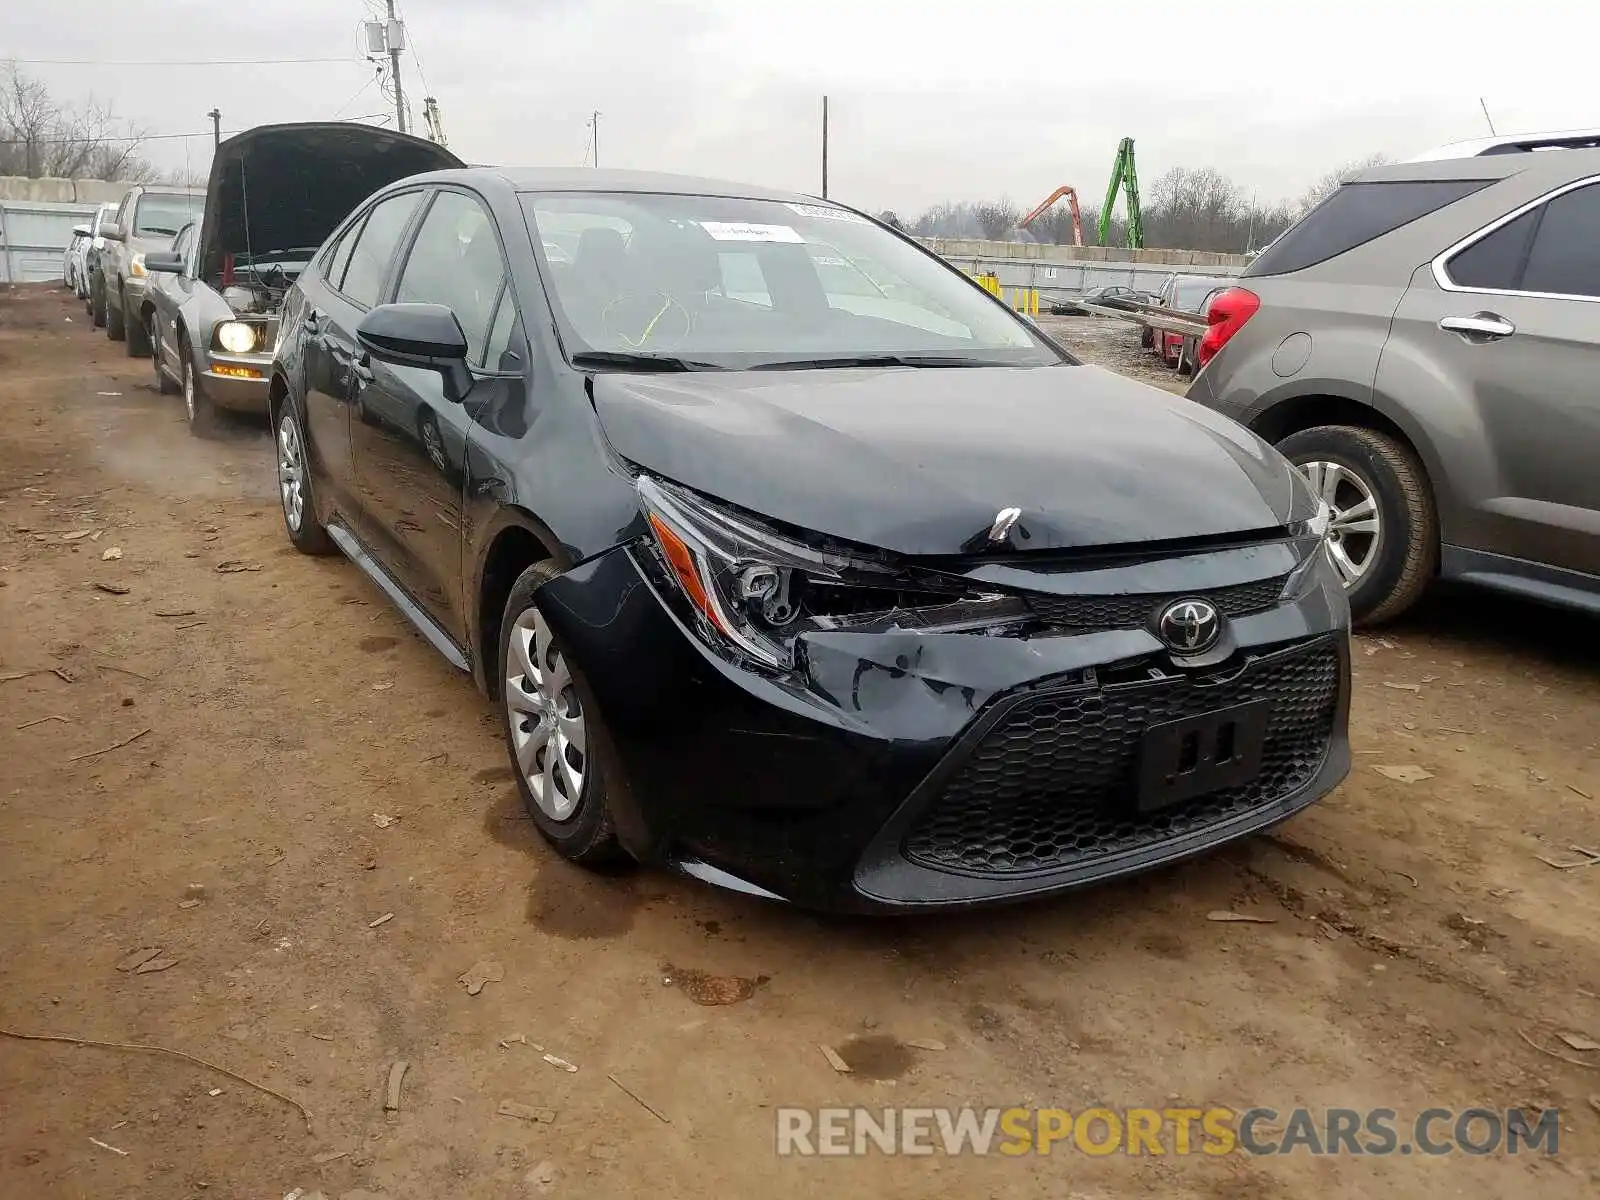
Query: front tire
(201, 413)
(306, 533)
(137, 332)
(552, 732)
(1384, 534)
(97, 302)
(115, 314)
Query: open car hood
(282, 187)
(921, 462)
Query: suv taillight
(1225, 317)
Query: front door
(1514, 330)
(410, 442)
(354, 275)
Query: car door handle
(1482, 327)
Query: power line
(170, 62)
(151, 137)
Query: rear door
(411, 442)
(355, 274)
(1509, 323)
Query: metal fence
(33, 234)
(1063, 280)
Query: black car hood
(922, 460)
(282, 187)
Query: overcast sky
(930, 100)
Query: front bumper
(229, 387)
(911, 770)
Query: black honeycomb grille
(1053, 783)
(1130, 612)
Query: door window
(180, 244)
(456, 261)
(499, 355)
(374, 247)
(1565, 257)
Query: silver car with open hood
(275, 193)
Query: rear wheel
(1383, 535)
(164, 382)
(300, 521)
(552, 734)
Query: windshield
(1190, 294)
(715, 281)
(158, 214)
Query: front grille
(1054, 782)
(1132, 612)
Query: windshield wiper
(626, 361)
(880, 360)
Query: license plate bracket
(1181, 759)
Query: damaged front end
(852, 729)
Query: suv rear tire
(580, 827)
(1400, 562)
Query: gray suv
(1425, 346)
(148, 218)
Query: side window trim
(1441, 263)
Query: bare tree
(1327, 184)
(997, 218)
(40, 136)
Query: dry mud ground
(1418, 952)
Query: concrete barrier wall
(61, 191)
(970, 248)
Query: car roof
(582, 179)
(1480, 159)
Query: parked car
(1125, 298)
(211, 313)
(70, 257)
(1192, 295)
(759, 591)
(1424, 345)
(89, 254)
(148, 218)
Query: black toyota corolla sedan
(795, 561)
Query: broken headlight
(756, 590)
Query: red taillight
(1225, 317)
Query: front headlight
(136, 265)
(236, 337)
(755, 590)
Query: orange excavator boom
(1071, 196)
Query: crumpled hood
(281, 187)
(921, 461)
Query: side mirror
(111, 231)
(80, 230)
(167, 261)
(419, 335)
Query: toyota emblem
(1189, 626)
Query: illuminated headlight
(136, 265)
(236, 337)
(753, 591)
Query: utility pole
(394, 65)
(216, 127)
(824, 147)
(594, 125)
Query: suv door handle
(1479, 327)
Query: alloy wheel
(1354, 526)
(548, 734)
(291, 472)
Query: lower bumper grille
(1053, 783)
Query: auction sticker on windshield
(745, 231)
(826, 212)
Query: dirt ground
(251, 769)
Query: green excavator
(1123, 178)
